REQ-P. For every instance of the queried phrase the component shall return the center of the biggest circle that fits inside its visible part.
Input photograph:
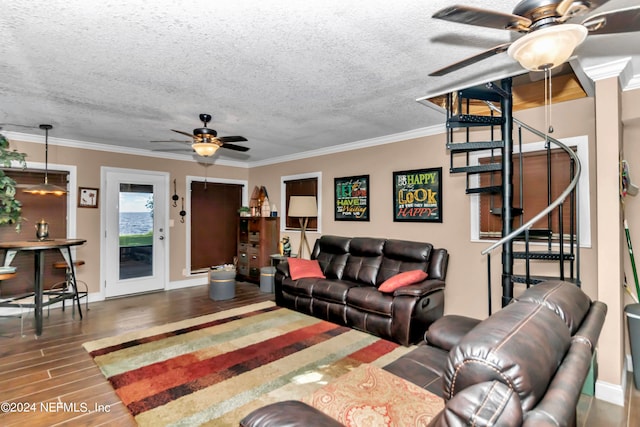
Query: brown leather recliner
(524, 365)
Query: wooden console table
(38, 247)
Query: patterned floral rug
(215, 369)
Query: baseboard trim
(612, 393)
(188, 283)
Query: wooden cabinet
(257, 239)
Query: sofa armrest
(289, 413)
(489, 403)
(420, 289)
(283, 268)
(448, 330)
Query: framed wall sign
(87, 197)
(352, 198)
(417, 195)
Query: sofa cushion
(507, 347)
(303, 268)
(301, 287)
(333, 290)
(402, 279)
(401, 255)
(332, 253)
(563, 298)
(365, 255)
(368, 299)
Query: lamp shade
(45, 188)
(303, 206)
(205, 149)
(547, 48)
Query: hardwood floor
(54, 381)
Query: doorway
(212, 220)
(135, 235)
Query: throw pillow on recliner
(402, 279)
(303, 268)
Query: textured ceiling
(290, 76)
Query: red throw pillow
(402, 279)
(301, 268)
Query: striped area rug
(215, 369)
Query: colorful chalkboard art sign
(352, 198)
(417, 195)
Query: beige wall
(466, 281)
(89, 163)
(466, 290)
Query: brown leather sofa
(354, 269)
(524, 365)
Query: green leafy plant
(10, 207)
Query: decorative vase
(42, 230)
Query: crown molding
(620, 68)
(86, 145)
(357, 145)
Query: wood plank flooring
(54, 381)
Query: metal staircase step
(544, 255)
(494, 189)
(536, 234)
(514, 212)
(470, 120)
(534, 280)
(459, 147)
(489, 167)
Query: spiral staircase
(527, 240)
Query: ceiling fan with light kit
(205, 141)
(552, 29)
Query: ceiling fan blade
(482, 17)
(235, 147)
(569, 9)
(471, 60)
(231, 138)
(616, 21)
(184, 133)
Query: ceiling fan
(205, 141)
(550, 28)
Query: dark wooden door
(214, 222)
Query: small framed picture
(87, 197)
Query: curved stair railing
(465, 111)
(559, 200)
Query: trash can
(633, 322)
(266, 279)
(222, 284)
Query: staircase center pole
(507, 192)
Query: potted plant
(10, 207)
(244, 211)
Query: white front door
(135, 234)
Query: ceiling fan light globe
(205, 149)
(548, 47)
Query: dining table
(39, 247)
